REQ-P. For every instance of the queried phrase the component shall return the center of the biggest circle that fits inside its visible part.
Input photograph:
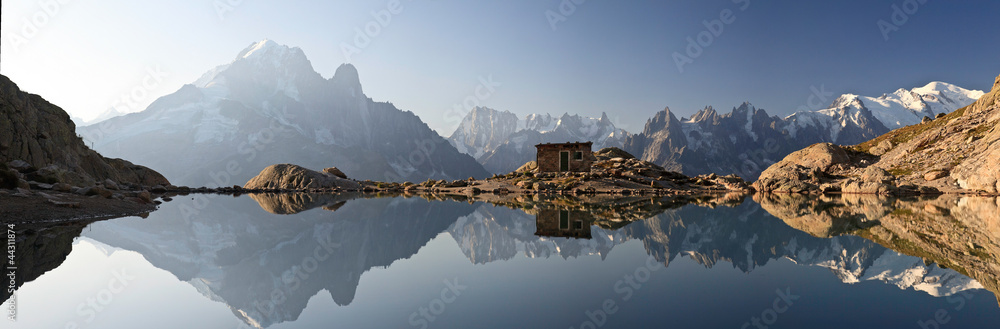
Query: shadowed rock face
(956, 232)
(41, 134)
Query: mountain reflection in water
(265, 263)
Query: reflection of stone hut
(563, 223)
(562, 157)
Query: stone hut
(563, 223)
(564, 157)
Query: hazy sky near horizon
(431, 55)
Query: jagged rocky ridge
(503, 142)
(747, 140)
(269, 106)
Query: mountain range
(111, 112)
(270, 106)
(744, 141)
(747, 140)
(502, 142)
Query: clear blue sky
(613, 56)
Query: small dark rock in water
(167, 199)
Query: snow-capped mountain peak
(259, 47)
(269, 97)
(270, 52)
(907, 107)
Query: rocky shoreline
(614, 172)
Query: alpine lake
(519, 261)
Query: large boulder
(803, 170)
(293, 177)
(530, 166)
(612, 152)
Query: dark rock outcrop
(37, 134)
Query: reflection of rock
(961, 233)
(41, 248)
(741, 234)
(610, 211)
(235, 253)
(293, 203)
(825, 216)
(956, 232)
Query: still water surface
(401, 262)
